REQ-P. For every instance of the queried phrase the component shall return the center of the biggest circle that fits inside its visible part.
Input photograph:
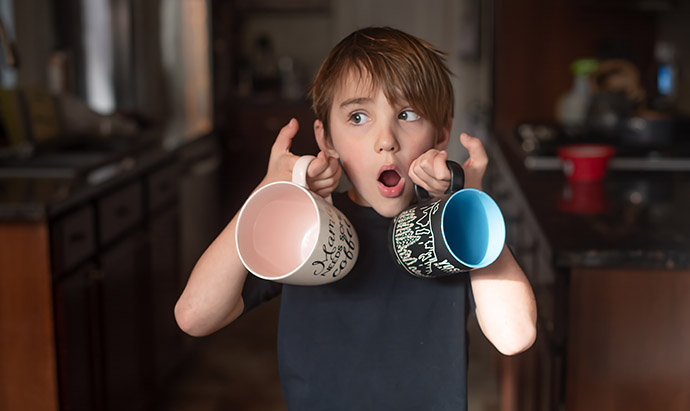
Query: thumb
(474, 147)
(318, 165)
(440, 168)
(287, 133)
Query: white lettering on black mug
(289, 234)
(458, 232)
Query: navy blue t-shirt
(378, 339)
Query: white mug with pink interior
(289, 234)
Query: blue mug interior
(473, 228)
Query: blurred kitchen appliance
(648, 129)
(617, 94)
(149, 59)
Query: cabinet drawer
(119, 211)
(162, 186)
(73, 239)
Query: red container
(585, 162)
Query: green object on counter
(12, 117)
(584, 67)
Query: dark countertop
(629, 220)
(26, 197)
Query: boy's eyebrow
(355, 100)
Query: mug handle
(457, 181)
(299, 173)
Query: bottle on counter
(571, 108)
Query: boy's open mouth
(391, 183)
(389, 178)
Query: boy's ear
(325, 143)
(443, 137)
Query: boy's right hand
(323, 174)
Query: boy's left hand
(431, 172)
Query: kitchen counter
(631, 219)
(34, 194)
(609, 263)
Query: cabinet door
(74, 312)
(123, 323)
(164, 290)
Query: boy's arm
(212, 297)
(505, 305)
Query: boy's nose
(386, 141)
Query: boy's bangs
(399, 88)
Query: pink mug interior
(277, 230)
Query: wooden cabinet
(131, 282)
(628, 340)
(123, 324)
(167, 341)
(94, 289)
(27, 329)
(76, 317)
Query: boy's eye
(359, 118)
(408, 115)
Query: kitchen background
(133, 130)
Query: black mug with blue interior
(455, 233)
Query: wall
(448, 24)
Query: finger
(333, 170)
(433, 163)
(318, 166)
(285, 136)
(474, 147)
(426, 181)
(317, 185)
(440, 168)
(424, 164)
(325, 192)
(325, 187)
(325, 167)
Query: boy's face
(376, 141)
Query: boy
(378, 339)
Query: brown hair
(405, 67)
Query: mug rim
(242, 211)
(492, 254)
